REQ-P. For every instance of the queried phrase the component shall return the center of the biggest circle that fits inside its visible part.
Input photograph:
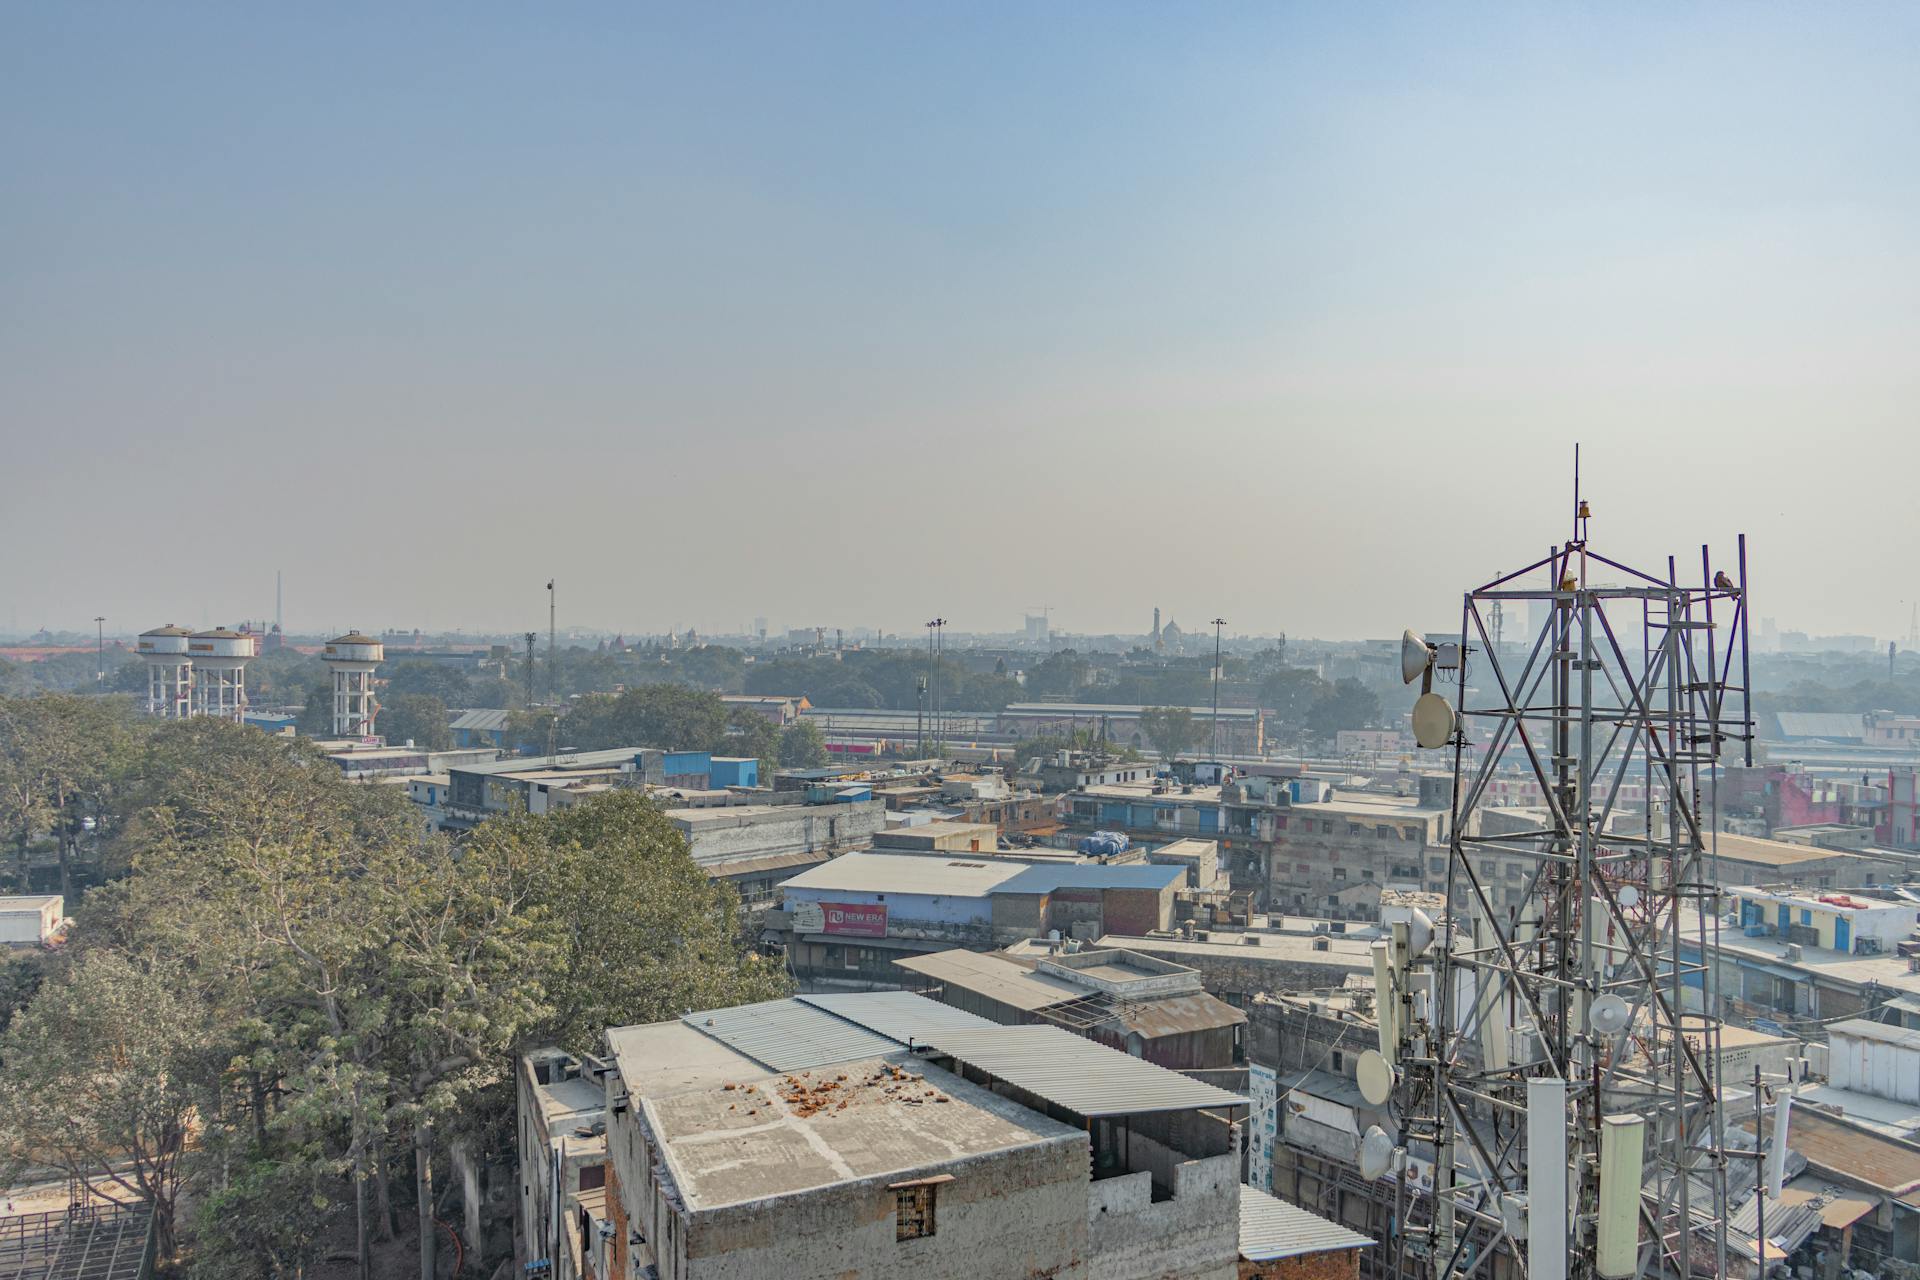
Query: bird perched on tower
(1721, 582)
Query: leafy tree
(419, 718)
(1062, 673)
(752, 734)
(269, 1220)
(316, 708)
(436, 679)
(1290, 693)
(61, 758)
(1347, 704)
(21, 974)
(102, 1079)
(802, 746)
(1171, 730)
(646, 934)
(656, 715)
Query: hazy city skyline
(857, 314)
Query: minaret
(1156, 628)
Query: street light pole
(936, 648)
(1217, 624)
(100, 649)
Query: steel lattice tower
(1631, 690)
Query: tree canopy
(325, 999)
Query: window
(1367, 874)
(913, 1211)
(1513, 870)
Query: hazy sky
(847, 314)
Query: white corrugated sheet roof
(952, 875)
(1086, 1078)
(898, 1015)
(1271, 1228)
(1010, 984)
(786, 1035)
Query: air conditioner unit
(1793, 953)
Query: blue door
(1786, 918)
(1843, 935)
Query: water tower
(220, 660)
(352, 658)
(169, 672)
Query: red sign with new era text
(855, 920)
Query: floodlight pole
(100, 649)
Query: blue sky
(843, 314)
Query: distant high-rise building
(1036, 628)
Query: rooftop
(565, 760)
(1840, 1149)
(1085, 1078)
(481, 720)
(993, 977)
(1271, 1229)
(1116, 708)
(1861, 1029)
(1339, 950)
(944, 876)
(1773, 853)
(869, 1118)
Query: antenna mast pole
(1576, 993)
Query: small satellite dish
(1610, 1015)
(1374, 1074)
(1376, 1153)
(1416, 655)
(1432, 721)
(1629, 897)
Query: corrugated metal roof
(1086, 1078)
(1175, 1015)
(785, 1035)
(994, 978)
(1840, 726)
(1861, 1029)
(933, 875)
(1788, 1226)
(1048, 877)
(1271, 1228)
(1024, 709)
(481, 720)
(898, 1015)
(770, 862)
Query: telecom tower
(169, 672)
(1560, 1057)
(353, 659)
(220, 659)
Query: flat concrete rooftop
(776, 1135)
